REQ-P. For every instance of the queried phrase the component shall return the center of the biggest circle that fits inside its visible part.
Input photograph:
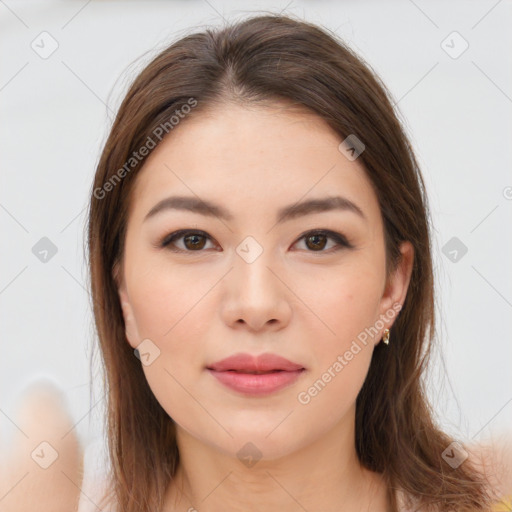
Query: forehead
(252, 160)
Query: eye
(194, 241)
(318, 240)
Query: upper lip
(261, 363)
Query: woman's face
(247, 279)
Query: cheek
(166, 302)
(342, 351)
(344, 302)
(168, 308)
(173, 309)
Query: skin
(304, 303)
(32, 476)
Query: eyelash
(340, 240)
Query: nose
(256, 297)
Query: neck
(323, 475)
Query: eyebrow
(293, 211)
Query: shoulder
(42, 466)
(494, 458)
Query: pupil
(194, 237)
(316, 244)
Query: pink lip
(262, 363)
(232, 372)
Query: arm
(25, 481)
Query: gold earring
(385, 338)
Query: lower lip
(257, 384)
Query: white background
(55, 114)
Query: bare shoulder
(42, 466)
(494, 458)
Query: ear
(131, 329)
(397, 285)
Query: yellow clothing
(505, 505)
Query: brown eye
(193, 241)
(316, 241)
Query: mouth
(256, 375)
(247, 363)
(251, 372)
(256, 383)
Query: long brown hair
(275, 58)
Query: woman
(264, 373)
(262, 286)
